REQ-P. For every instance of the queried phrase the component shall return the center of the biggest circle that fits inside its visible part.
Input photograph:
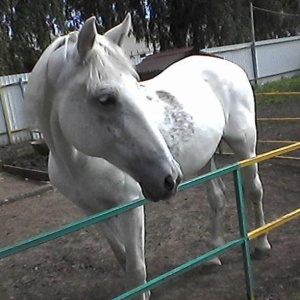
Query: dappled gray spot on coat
(182, 123)
(168, 98)
(149, 98)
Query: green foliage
(110, 13)
(284, 85)
(26, 32)
(25, 25)
(200, 23)
(274, 25)
(296, 296)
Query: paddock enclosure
(81, 266)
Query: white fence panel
(239, 54)
(277, 58)
(12, 79)
(4, 140)
(13, 128)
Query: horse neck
(64, 154)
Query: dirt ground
(81, 266)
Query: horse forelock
(108, 60)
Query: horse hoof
(212, 266)
(259, 254)
(213, 262)
(147, 295)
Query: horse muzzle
(164, 190)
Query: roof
(154, 64)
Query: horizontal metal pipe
(268, 155)
(68, 228)
(288, 157)
(276, 223)
(277, 94)
(189, 265)
(277, 142)
(278, 119)
(208, 176)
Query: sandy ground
(81, 265)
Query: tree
(109, 13)
(272, 19)
(27, 30)
(26, 26)
(5, 53)
(201, 23)
(208, 23)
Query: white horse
(113, 138)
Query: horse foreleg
(113, 234)
(215, 189)
(133, 226)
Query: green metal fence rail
(243, 240)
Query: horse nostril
(178, 180)
(169, 183)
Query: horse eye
(108, 99)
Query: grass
(284, 85)
(296, 296)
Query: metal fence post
(21, 85)
(253, 48)
(242, 216)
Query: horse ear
(118, 33)
(86, 37)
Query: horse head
(96, 103)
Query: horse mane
(35, 89)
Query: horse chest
(93, 185)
